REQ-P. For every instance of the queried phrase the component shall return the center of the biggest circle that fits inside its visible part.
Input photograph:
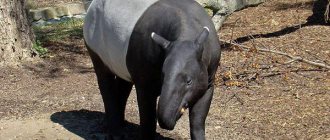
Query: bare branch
(294, 58)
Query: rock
(36, 14)
(209, 11)
(62, 11)
(224, 8)
(53, 21)
(48, 13)
(232, 5)
(254, 2)
(87, 3)
(43, 13)
(75, 8)
(79, 16)
(39, 23)
(56, 20)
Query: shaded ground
(258, 96)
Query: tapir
(165, 48)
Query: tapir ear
(160, 40)
(202, 36)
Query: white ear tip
(152, 34)
(206, 28)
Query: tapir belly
(107, 29)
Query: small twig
(273, 73)
(232, 30)
(318, 39)
(296, 58)
(291, 61)
(237, 98)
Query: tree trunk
(16, 36)
(327, 13)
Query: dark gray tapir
(166, 48)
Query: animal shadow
(89, 125)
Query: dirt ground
(258, 95)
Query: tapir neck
(172, 24)
(171, 19)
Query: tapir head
(185, 77)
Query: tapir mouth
(182, 110)
(169, 122)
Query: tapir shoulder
(107, 29)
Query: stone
(79, 16)
(62, 11)
(224, 8)
(87, 3)
(209, 11)
(39, 23)
(75, 8)
(49, 13)
(36, 14)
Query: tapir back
(108, 27)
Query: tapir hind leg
(115, 92)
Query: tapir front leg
(197, 115)
(147, 109)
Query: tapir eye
(189, 82)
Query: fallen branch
(294, 58)
(271, 73)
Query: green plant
(57, 36)
(59, 32)
(39, 49)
